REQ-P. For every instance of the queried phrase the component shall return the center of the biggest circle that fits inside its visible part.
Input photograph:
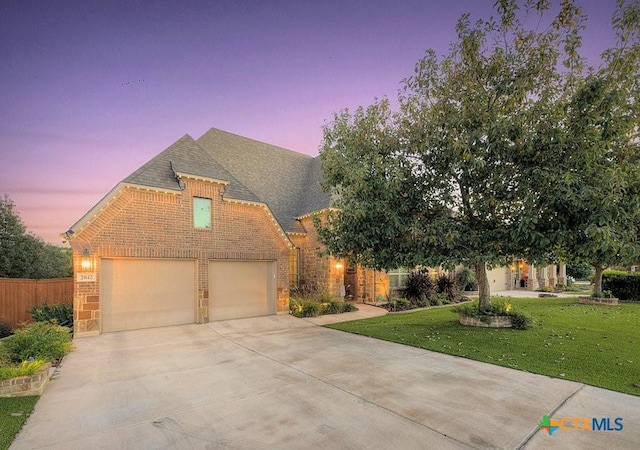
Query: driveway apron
(278, 382)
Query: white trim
(200, 178)
(317, 211)
(105, 201)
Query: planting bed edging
(24, 386)
(598, 301)
(495, 321)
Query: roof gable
(283, 179)
(286, 181)
(187, 157)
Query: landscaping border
(598, 301)
(26, 385)
(495, 321)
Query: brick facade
(148, 223)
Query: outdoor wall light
(339, 266)
(85, 262)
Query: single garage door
(241, 289)
(145, 293)
(498, 279)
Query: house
(212, 228)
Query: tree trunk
(484, 290)
(597, 280)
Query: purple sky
(91, 90)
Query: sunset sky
(91, 90)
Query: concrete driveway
(279, 382)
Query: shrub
(447, 285)
(5, 330)
(39, 340)
(337, 307)
(603, 294)
(466, 280)
(580, 271)
(547, 289)
(25, 368)
(399, 304)
(61, 314)
(304, 307)
(420, 287)
(5, 356)
(623, 285)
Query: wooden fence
(19, 295)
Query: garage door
(241, 289)
(145, 293)
(498, 279)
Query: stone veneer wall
(321, 271)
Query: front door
(351, 282)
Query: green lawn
(596, 345)
(13, 414)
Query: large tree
(443, 180)
(23, 255)
(590, 183)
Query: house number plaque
(85, 277)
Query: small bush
(337, 307)
(332, 307)
(547, 289)
(318, 305)
(39, 340)
(25, 368)
(603, 294)
(466, 280)
(5, 330)
(447, 285)
(61, 314)
(420, 287)
(5, 356)
(399, 304)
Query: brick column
(562, 277)
(533, 279)
(552, 275)
(543, 277)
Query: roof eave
(104, 202)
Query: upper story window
(202, 212)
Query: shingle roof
(185, 156)
(286, 181)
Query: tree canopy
(23, 255)
(461, 173)
(591, 180)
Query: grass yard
(595, 345)
(14, 412)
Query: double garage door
(145, 293)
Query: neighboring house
(518, 275)
(210, 229)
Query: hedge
(623, 285)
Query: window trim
(196, 222)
